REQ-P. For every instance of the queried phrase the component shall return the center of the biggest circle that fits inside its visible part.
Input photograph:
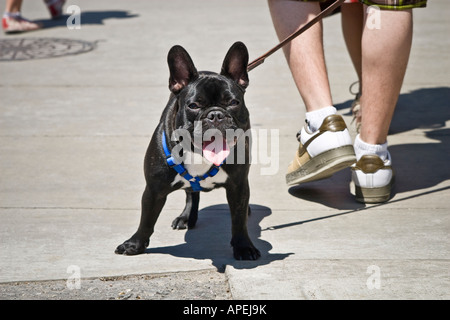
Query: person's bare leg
(304, 54)
(352, 19)
(385, 54)
(13, 5)
(386, 44)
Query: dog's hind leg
(188, 218)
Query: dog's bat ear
(182, 69)
(235, 64)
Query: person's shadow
(416, 165)
(88, 17)
(210, 239)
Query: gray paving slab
(74, 130)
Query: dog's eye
(193, 105)
(234, 102)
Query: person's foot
(373, 179)
(321, 153)
(55, 7)
(16, 24)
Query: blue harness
(181, 170)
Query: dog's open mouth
(216, 150)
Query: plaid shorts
(396, 4)
(387, 4)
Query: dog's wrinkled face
(210, 104)
(216, 101)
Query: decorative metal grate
(41, 48)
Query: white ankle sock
(315, 118)
(11, 14)
(362, 148)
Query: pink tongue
(215, 152)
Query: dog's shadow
(210, 239)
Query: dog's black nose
(215, 115)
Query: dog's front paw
(245, 250)
(132, 247)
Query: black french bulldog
(199, 100)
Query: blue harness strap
(181, 170)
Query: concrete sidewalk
(74, 130)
